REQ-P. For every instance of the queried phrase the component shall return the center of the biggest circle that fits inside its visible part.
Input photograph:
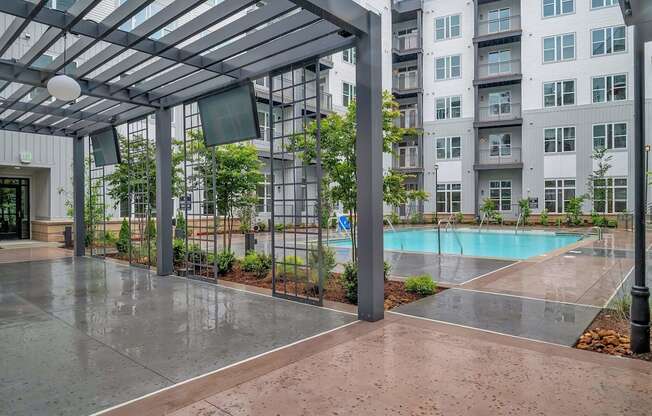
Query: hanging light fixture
(62, 87)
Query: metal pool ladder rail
(389, 222)
(452, 227)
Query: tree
(526, 211)
(232, 171)
(338, 159)
(597, 177)
(140, 163)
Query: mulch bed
(609, 334)
(395, 293)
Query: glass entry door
(14, 208)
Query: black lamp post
(436, 189)
(647, 169)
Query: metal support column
(78, 195)
(164, 205)
(640, 314)
(369, 160)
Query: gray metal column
(78, 195)
(369, 157)
(164, 206)
(640, 316)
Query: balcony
(406, 6)
(407, 159)
(499, 73)
(499, 115)
(406, 83)
(499, 157)
(406, 45)
(499, 30)
(409, 119)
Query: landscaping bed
(609, 334)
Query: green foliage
(459, 217)
(574, 211)
(179, 251)
(124, 238)
(150, 230)
(598, 220)
(290, 267)
(524, 206)
(258, 263)
(262, 226)
(349, 281)
(597, 194)
(386, 269)
(247, 213)
(195, 254)
(93, 208)
(279, 227)
(544, 218)
(180, 225)
(488, 208)
(622, 306)
(326, 265)
(612, 223)
(224, 262)
(394, 218)
(416, 218)
(422, 285)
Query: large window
(610, 136)
(559, 139)
(609, 88)
(448, 67)
(559, 48)
(500, 62)
(499, 20)
(348, 93)
(500, 144)
(500, 103)
(447, 27)
(558, 7)
(264, 194)
(501, 193)
(407, 38)
(62, 5)
(448, 147)
(558, 93)
(408, 157)
(448, 107)
(610, 195)
(558, 193)
(449, 197)
(596, 4)
(608, 40)
(349, 56)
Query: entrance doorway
(14, 208)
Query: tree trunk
(224, 231)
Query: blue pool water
(488, 243)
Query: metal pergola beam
(348, 15)
(56, 111)
(17, 26)
(21, 127)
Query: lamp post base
(640, 320)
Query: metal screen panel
(198, 202)
(96, 235)
(142, 194)
(294, 102)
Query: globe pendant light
(62, 87)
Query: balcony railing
(408, 119)
(406, 81)
(326, 102)
(406, 43)
(499, 69)
(499, 155)
(500, 112)
(498, 25)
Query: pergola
(135, 74)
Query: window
(348, 93)
(559, 139)
(448, 67)
(263, 121)
(558, 7)
(500, 145)
(448, 147)
(609, 88)
(62, 5)
(558, 193)
(499, 20)
(596, 4)
(608, 40)
(408, 156)
(447, 27)
(559, 48)
(349, 56)
(449, 197)
(408, 116)
(264, 194)
(407, 39)
(407, 77)
(610, 195)
(500, 103)
(558, 93)
(501, 193)
(448, 107)
(610, 136)
(500, 62)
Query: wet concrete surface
(80, 335)
(554, 322)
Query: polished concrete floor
(80, 335)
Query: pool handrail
(389, 222)
(518, 221)
(457, 237)
(484, 217)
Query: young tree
(338, 136)
(236, 172)
(598, 193)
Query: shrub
(279, 228)
(598, 220)
(327, 264)
(196, 254)
(622, 307)
(180, 227)
(262, 226)
(386, 269)
(421, 285)
(574, 211)
(224, 262)
(150, 230)
(258, 263)
(179, 251)
(124, 238)
(488, 208)
(459, 217)
(349, 282)
(612, 223)
(544, 217)
(526, 211)
(416, 218)
(394, 218)
(287, 267)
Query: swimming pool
(488, 243)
